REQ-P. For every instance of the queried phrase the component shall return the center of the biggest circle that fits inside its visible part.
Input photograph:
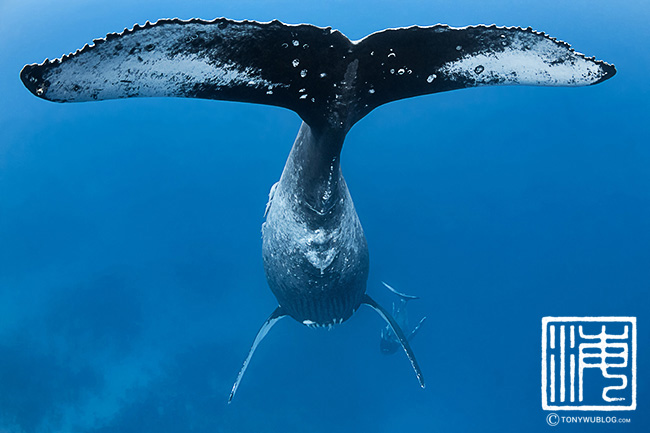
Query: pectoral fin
(417, 328)
(400, 335)
(272, 320)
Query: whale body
(314, 250)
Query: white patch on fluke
(528, 60)
(124, 66)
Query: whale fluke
(330, 81)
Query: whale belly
(316, 263)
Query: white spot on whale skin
(323, 75)
(308, 322)
(458, 48)
(371, 91)
(431, 77)
(303, 96)
(392, 55)
(295, 63)
(401, 72)
(295, 43)
(320, 252)
(303, 73)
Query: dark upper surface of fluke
(317, 72)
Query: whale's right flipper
(398, 332)
(317, 72)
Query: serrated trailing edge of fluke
(496, 27)
(227, 21)
(164, 21)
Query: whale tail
(330, 81)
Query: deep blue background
(131, 280)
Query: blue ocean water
(131, 279)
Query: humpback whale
(314, 250)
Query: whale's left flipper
(400, 335)
(330, 81)
(272, 320)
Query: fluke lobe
(314, 249)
